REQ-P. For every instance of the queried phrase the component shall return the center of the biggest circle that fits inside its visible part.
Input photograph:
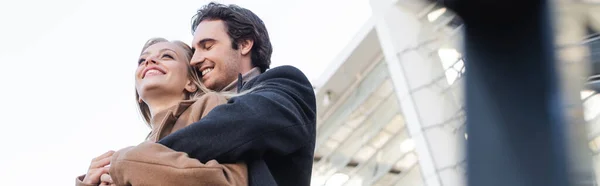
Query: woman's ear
(246, 46)
(191, 87)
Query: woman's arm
(154, 164)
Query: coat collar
(236, 85)
(172, 112)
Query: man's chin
(209, 85)
(217, 84)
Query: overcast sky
(67, 86)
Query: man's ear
(246, 46)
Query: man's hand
(97, 168)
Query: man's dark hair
(241, 24)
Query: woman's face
(162, 71)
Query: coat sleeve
(277, 115)
(79, 181)
(154, 164)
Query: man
(270, 125)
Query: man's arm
(278, 116)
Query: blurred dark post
(514, 108)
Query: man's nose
(197, 59)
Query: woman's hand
(97, 168)
(106, 180)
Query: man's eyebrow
(204, 41)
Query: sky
(67, 83)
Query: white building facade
(390, 107)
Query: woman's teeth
(206, 71)
(153, 72)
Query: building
(390, 107)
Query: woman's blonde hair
(192, 75)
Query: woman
(170, 97)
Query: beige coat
(151, 163)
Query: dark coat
(272, 128)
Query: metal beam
(343, 98)
(390, 154)
(377, 121)
(366, 129)
(364, 88)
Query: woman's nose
(150, 60)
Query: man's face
(218, 62)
